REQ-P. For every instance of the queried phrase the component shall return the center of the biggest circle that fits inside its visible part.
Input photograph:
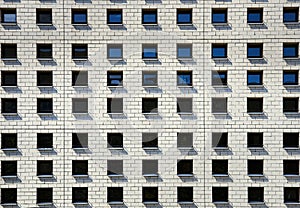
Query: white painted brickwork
(98, 123)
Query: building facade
(150, 103)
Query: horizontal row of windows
(150, 195)
(149, 78)
(150, 16)
(219, 140)
(150, 51)
(290, 105)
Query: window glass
(115, 78)
(8, 195)
(79, 140)
(255, 139)
(219, 78)
(114, 105)
(219, 105)
(150, 105)
(290, 77)
(44, 195)
(255, 167)
(80, 105)
(9, 78)
(9, 141)
(291, 167)
(219, 139)
(254, 78)
(219, 167)
(184, 105)
(44, 140)
(219, 51)
(79, 167)
(290, 50)
(44, 105)
(184, 16)
(115, 167)
(114, 140)
(255, 16)
(80, 194)
(9, 51)
(149, 78)
(290, 14)
(9, 105)
(114, 194)
(44, 167)
(149, 16)
(184, 78)
(220, 194)
(149, 51)
(255, 105)
(290, 104)
(255, 194)
(79, 16)
(150, 167)
(8, 16)
(254, 50)
(185, 194)
(79, 78)
(150, 194)
(185, 140)
(184, 167)
(114, 17)
(9, 168)
(184, 51)
(290, 140)
(79, 51)
(291, 194)
(219, 15)
(150, 140)
(44, 16)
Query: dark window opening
(79, 51)
(255, 15)
(219, 16)
(9, 105)
(9, 51)
(114, 78)
(184, 105)
(9, 78)
(219, 78)
(150, 194)
(44, 78)
(114, 16)
(291, 167)
(149, 16)
(149, 140)
(79, 195)
(219, 105)
(184, 16)
(44, 140)
(219, 51)
(184, 140)
(290, 105)
(219, 140)
(9, 16)
(114, 105)
(8, 195)
(114, 167)
(149, 51)
(184, 167)
(9, 168)
(9, 141)
(44, 16)
(184, 194)
(150, 105)
(184, 78)
(255, 139)
(220, 194)
(79, 167)
(79, 140)
(254, 77)
(290, 140)
(44, 167)
(79, 16)
(255, 50)
(44, 105)
(254, 105)
(255, 167)
(290, 14)
(114, 140)
(80, 105)
(149, 78)
(44, 195)
(220, 167)
(255, 194)
(290, 77)
(150, 167)
(114, 194)
(44, 51)
(291, 195)
(79, 78)
(290, 50)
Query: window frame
(11, 11)
(149, 11)
(294, 10)
(187, 11)
(295, 46)
(9, 73)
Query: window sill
(220, 23)
(45, 114)
(185, 113)
(150, 202)
(79, 113)
(255, 85)
(45, 86)
(121, 113)
(149, 114)
(9, 86)
(45, 204)
(220, 148)
(115, 175)
(45, 59)
(44, 24)
(115, 148)
(9, 23)
(292, 203)
(256, 113)
(9, 114)
(80, 148)
(150, 24)
(45, 176)
(151, 148)
(115, 203)
(256, 175)
(115, 59)
(220, 175)
(185, 24)
(291, 85)
(185, 202)
(153, 175)
(80, 203)
(291, 175)
(185, 86)
(255, 58)
(80, 24)
(45, 149)
(220, 86)
(291, 58)
(256, 202)
(10, 177)
(150, 59)
(255, 23)
(185, 175)
(220, 113)
(81, 176)
(186, 148)
(10, 149)
(221, 202)
(79, 86)
(291, 113)
(255, 148)
(150, 86)
(291, 148)
(220, 58)
(185, 58)
(9, 204)
(79, 59)
(115, 86)
(291, 23)
(9, 59)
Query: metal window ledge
(81, 176)
(115, 175)
(45, 204)
(151, 175)
(186, 175)
(45, 176)
(10, 177)
(115, 203)
(10, 149)
(221, 175)
(150, 202)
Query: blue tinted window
(114, 17)
(184, 52)
(290, 77)
(254, 51)
(149, 78)
(254, 78)
(184, 16)
(290, 50)
(79, 17)
(219, 51)
(290, 14)
(184, 78)
(10, 18)
(149, 16)
(115, 52)
(255, 15)
(149, 52)
(114, 78)
(219, 16)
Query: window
(114, 78)
(9, 141)
(150, 105)
(80, 140)
(184, 194)
(150, 140)
(44, 51)
(9, 105)
(44, 105)
(9, 51)
(290, 77)
(79, 51)
(254, 77)
(290, 50)
(184, 51)
(8, 196)
(44, 78)
(184, 78)
(254, 105)
(255, 140)
(79, 16)
(115, 51)
(290, 14)
(149, 16)
(184, 16)
(255, 50)
(114, 105)
(43, 16)
(219, 140)
(114, 16)
(8, 16)
(184, 105)
(255, 15)
(184, 167)
(79, 195)
(290, 167)
(290, 105)
(9, 78)
(79, 78)
(255, 167)
(80, 105)
(44, 168)
(149, 78)
(255, 194)
(149, 51)
(291, 195)
(219, 167)
(184, 140)
(219, 105)
(219, 16)
(150, 194)
(114, 140)
(114, 167)
(150, 167)
(80, 168)
(219, 78)
(44, 195)
(44, 140)
(219, 50)
(290, 140)
(115, 194)
(220, 194)
(9, 168)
